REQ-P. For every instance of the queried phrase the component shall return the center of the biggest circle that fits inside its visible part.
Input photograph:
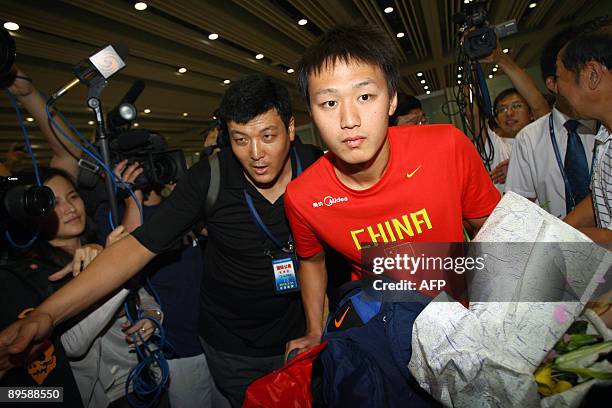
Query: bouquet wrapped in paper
(539, 275)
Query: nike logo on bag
(409, 175)
(339, 323)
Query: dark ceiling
(55, 35)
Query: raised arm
(65, 154)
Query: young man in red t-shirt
(376, 184)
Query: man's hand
(23, 339)
(144, 327)
(116, 235)
(303, 343)
(21, 87)
(499, 173)
(494, 57)
(82, 257)
(129, 175)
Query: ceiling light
(214, 117)
(91, 122)
(141, 5)
(182, 70)
(213, 36)
(400, 35)
(227, 81)
(30, 119)
(459, 68)
(185, 114)
(466, 1)
(419, 74)
(9, 25)
(506, 50)
(458, 75)
(259, 56)
(459, 81)
(428, 92)
(532, 5)
(423, 81)
(389, 10)
(136, 124)
(290, 71)
(490, 76)
(147, 110)
(426, 87)
(302, 22)
(494, 69)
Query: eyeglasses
(514, 106)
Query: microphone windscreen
(132, 139)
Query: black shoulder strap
(215, 182)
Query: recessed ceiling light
(9, 25)
(185, 114)
(428, 92)
(141, 5)
(460, 68)
(303, 22)
(490, 76)
(459, 81)
(458, 75)
(91, 122)
(259, 56)
(532, 5)
(182, 70)
(419, 74)
(30, 119)
(426, 87)
(466, 1)
(136, 124)
(506, 50)
(400, 35)
(227, 81)
(422, 81)
(494, 69)
(214, 117)
(389, 10)
(213, 36)
(290, 71)
(147, 110)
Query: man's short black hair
(252, 96)
(548, 58)
(589, 46)
(350, 43)
(405, 104)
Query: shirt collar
(603, 135)
(586, 126)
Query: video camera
(21, 202)
(481, 38)
(160, 165)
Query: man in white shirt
(538, 168)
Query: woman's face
(69, 212)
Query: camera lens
(24, 202)
(165, 169)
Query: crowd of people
(201, 272)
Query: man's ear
(592, 73)
(393, 104)
(291, 129)
(551, 84)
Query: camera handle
(486, 105)
(93, 101)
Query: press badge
(285, 279)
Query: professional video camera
(8, 51)
(160, 165)
(481, 38)
(21, 202)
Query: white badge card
(284, 275)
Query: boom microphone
(102, 64)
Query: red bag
(289, 386)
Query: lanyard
(568, 188)
(257, 218)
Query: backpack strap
(215, 182)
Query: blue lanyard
(257, 218)
(568, 188)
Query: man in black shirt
(249, 307)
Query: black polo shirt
(240, 312)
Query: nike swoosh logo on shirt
(409, 175)
(339, 323)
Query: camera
(160, 165)
(8, 52)
(482, 39)
(21, 202)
